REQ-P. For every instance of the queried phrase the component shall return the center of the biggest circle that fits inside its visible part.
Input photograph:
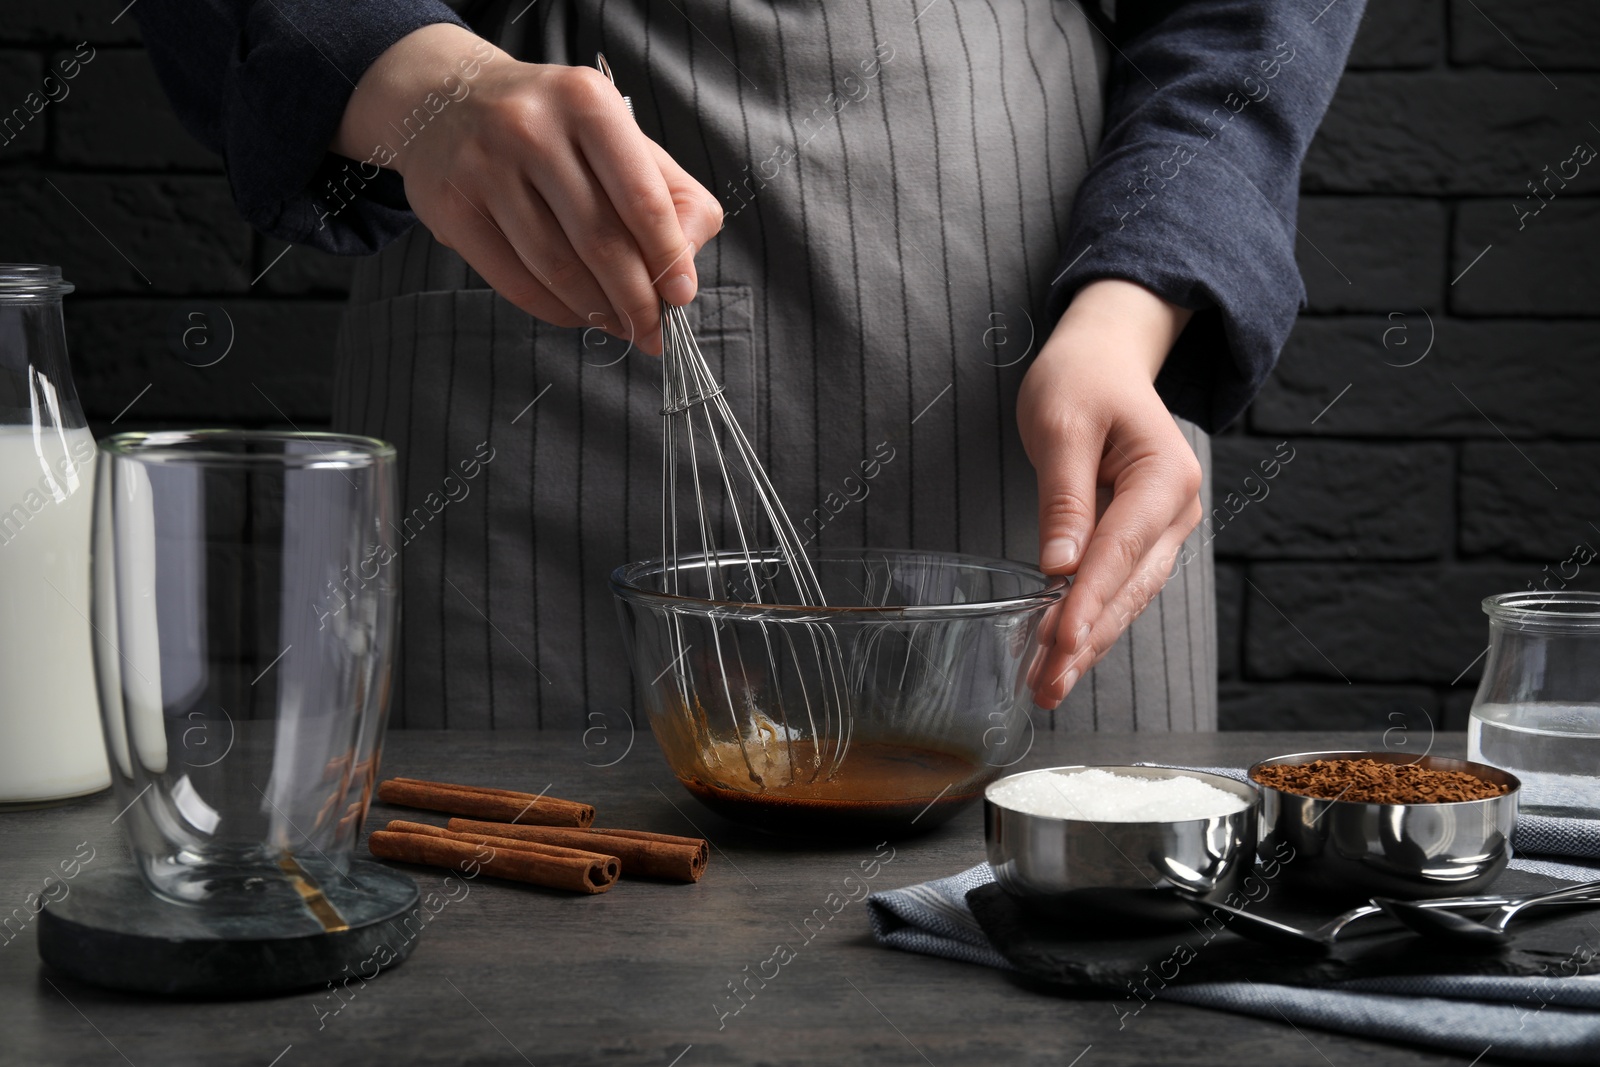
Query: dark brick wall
(106, 182)
(1436, 393)
(1457, 344)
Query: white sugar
(1101, 796)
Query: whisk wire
(699, 423)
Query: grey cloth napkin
(1542, 1019)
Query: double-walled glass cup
(245, 599)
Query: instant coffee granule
(1371, 782)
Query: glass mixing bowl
(886, 712)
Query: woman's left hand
(1118, 483)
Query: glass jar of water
(1537, 710)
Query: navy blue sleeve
(1193, 194)
(264, 83)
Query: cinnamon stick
(650, 835)
(643, 854)
(546, 865)
(402, 826)
(503, 805)
(463, 788)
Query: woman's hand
(538, 176)
(1118, 483)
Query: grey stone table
(505, 974)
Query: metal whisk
(707, 460)
(690, 390)
(697, 422)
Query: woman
(933, 240)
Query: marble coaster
(112, 931)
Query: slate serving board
(1094, 955)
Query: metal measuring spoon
(1322, 937)
(1443, 925)
(1280, 934)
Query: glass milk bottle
(1537, 710)
(50, 739)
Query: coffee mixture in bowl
(880, 787)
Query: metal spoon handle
(1258, 927)
(1569, 893)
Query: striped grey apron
(896, 176)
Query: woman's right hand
(538, 177)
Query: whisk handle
(605, 68)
